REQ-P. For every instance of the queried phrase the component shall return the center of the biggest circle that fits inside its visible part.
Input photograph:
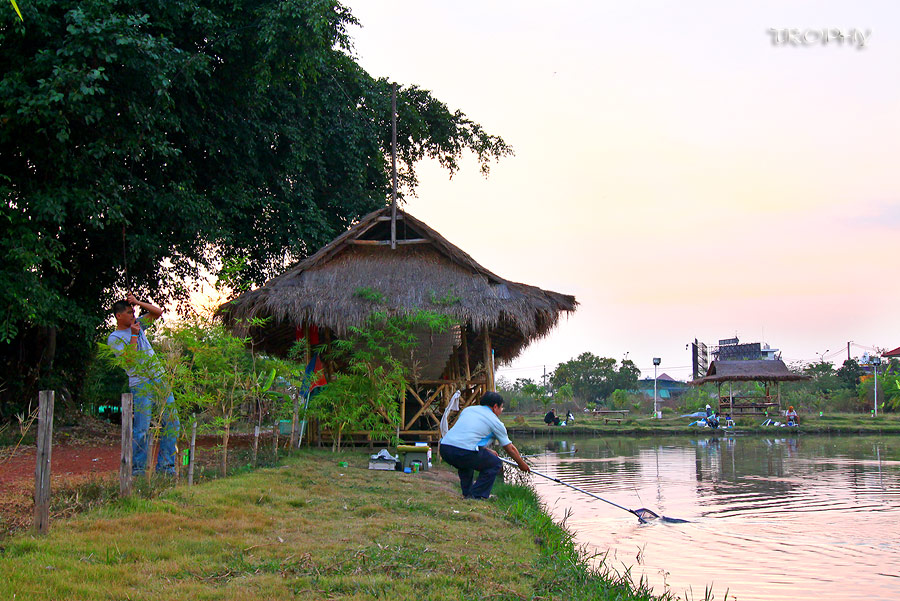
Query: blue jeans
(467, 463)
(165, 457)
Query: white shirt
(476, 426)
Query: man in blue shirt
(465, 446)
(144, 377)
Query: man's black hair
(491, 399)
(120, 306)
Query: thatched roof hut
(766, 371)
(763, 370)
(359, 271)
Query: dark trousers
(467, 463)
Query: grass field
(309, 529)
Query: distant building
(667, 388)
(729, 349)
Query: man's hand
(131, 299)
(136, 327)
(492, 451)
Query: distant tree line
(586, 380)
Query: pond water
(796, 517)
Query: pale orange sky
(675, 170)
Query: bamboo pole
(488, 360)
(127, 463)
(191, 459)
(42, 466)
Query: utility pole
(394, 167)
(848, 350)
(656, 362)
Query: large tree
(144, 142)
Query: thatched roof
(425, 271)
(763, 370)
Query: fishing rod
(643, 514)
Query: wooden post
(465, 348)
(275, 439)
(295, 419)
(126, 465)
(191, 459)
(255, 443)
(488, 361)
(42, 467)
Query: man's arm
(152, 311)
(514, 453)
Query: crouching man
(465, 446)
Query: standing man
(465, 446)
(144, 378)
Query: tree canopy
(595, 378)
(146, 142)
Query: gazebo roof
(893, 353)
(763, 370)
(358, 272)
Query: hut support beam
(488, 360)
(465, 350)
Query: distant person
(550, 419)
(713, 420)
(709, 412)
(465, 446)
(130, 332)
(729, 423)
(569, 417)
(792, 417)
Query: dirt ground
(91, 450)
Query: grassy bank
(841, 423)
(308, 529)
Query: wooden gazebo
(497, 318)
(766, 371)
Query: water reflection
(799, 517)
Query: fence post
(275, 439)
(125, 466)
(255, 443)
(193, 448)
(295, 435)
(42, 467)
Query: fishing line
(643, 514)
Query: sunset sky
(675, 170)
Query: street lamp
(876, 361)
(822, 356)
(656, 362)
